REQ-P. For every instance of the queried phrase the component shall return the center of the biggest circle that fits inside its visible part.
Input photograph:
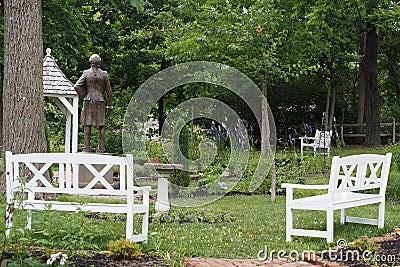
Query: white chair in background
(321, 140)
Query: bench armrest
(290, 187)
(308, 138)
(305, 186)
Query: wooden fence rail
(388, 129)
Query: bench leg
(289, 224)
(329, 225)
(29, 220)
(343, 216)
(145, 224)
(129, 225)
(381, 215)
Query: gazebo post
(68, 132)
(75, 122)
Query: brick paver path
(209, 262)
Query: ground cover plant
(236, 226)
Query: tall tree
(372, 101)
(23, 116)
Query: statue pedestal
(162, 203)
(86, 176)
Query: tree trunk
(267, 153)
(324, 124)
(332, 108)
(361, 74)
(23, 114)
(372, 104)
(342, 143)
(393, 70)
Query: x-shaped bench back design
(67, 164)
(369, 173)
(99, 176)
(323, 139)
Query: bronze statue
(91, 87)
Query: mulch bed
(102, 260)
(387, 255)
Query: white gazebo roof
(54, 80)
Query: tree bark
(393, 70)
(267, 153)
(332, 107)
(372, 104)
(23, 114)
(361, 73)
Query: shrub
(393, 186)
(123, 248)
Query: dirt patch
(101, 260)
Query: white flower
(222, 185)
(245, 11)
(57, 256)
(50, 261)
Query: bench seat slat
(340, 198)
(75, 206)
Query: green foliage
(155, 150)
(364, 244)
(180, 178)
(29, 262)
(191, 216)
(174, 259)
(393, 186)
(74, 235)
(124, 248)
(179, 154)
(113, 142)
(368, 248)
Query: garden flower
(245, 11)
(309, 128)
(57, 256)
(222, 185)
(259, 30)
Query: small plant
(123, 248)
(173, 259)
(368, 247)
(365, 243)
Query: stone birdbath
(163, 170)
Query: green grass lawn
(259, 223)
(255, 223)
(251, 222)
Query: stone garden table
(163, 170)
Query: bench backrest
(322, 139)
(359, 172)
(68, 166)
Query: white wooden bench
(349, 179)
(35, 186)
(321, 140)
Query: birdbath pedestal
(163, 170)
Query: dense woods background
(337, 57)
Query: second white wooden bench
(349, 179)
